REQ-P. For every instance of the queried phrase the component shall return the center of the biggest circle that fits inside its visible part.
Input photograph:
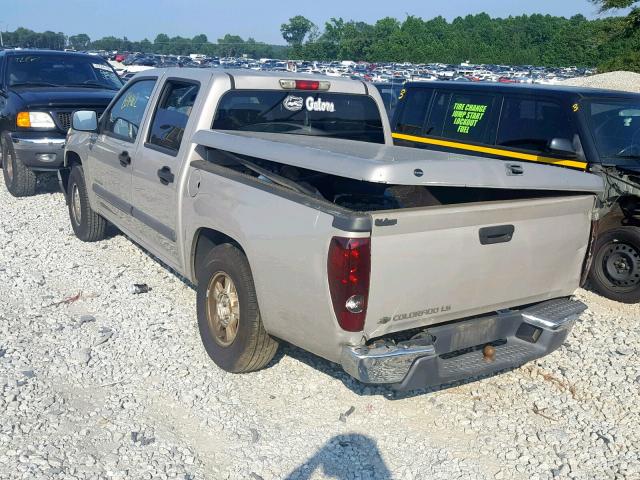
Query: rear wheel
(229, 319)
(87, 224)
(19, 179)
(615, 272)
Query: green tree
(80, 41)
(295, 31)
(230, 45)
(199, 43)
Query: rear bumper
(39, 150)
(455, 351)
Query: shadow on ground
(345, 457)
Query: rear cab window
(336, 115)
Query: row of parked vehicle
(443, 244)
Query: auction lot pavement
(96, 382)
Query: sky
(260, 19)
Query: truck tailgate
(438, 264)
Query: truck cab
(593, 130)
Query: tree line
(227, 46)
(542, 40)
(545, 40)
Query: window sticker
(130, 101)
(575, 107)
(101, 66)
(319, 106)
(467, 115)
(293, 104)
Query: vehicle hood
(41, 97)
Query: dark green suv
(593, 130)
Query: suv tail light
(349, 268)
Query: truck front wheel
(615, 272)
(228, 315)
(19, 179)
(87, 224)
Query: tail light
(349, 268)
(305, 84)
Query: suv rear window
(468, 117)
(337, 115)
(530, 124)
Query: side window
(438, 113)
(172, 114)
(530, 124)
(415, 106)
(124, 117)
(468, 117)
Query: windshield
(351, 117)
(60, 70)
(616, 128)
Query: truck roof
(248, 79)
(527, 89)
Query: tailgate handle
(498, 234)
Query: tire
(615, 272)
(18, 178)
(87, 224)
(250, 348)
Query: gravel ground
(96, 382)
(625, 81)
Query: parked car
(586, 129)
(39, 91)
(284, 200)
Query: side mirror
(563, 146)
(85, 121)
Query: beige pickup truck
(283, 199)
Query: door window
(124, 118)
(438, 113)
(172, 114)
(414, 110)
(530, 124)
(468, 117)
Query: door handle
(165, 175)
(125, 159)
(499, 234)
